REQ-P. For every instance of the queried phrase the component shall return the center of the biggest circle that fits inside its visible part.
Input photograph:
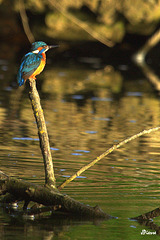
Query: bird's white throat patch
(35, 51)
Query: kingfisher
(33, 62)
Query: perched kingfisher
(33, 62)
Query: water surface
(86, 111)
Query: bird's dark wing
(29, 64)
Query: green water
(86, 111)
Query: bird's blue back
(29, 63)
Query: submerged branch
(149, 215)
(43, 135)
(114, 147)
(26, 191)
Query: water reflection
(87, 111)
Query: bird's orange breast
(41, 66)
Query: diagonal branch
(114, 147)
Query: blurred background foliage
(105, 20)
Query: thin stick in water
(114, 147)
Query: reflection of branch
(114, 147)
(152, 41)
(25, 23)
(81, 24)
(153, 78)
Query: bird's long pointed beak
(53, 46)
(49, 47)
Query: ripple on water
(25, 138)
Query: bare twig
(25, 23)
(114, 147)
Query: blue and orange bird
(33, 62)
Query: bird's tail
(20, 79)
